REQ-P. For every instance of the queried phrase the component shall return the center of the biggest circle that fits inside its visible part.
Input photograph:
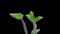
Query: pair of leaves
(32, 18)
(33, 31)
(17, 15)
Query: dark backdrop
(39, 7)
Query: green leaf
(38, 18)
(29, 17)
(17, 15)
(32, 16)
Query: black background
(39, 7)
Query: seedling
(31, 17)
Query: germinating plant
(31, 17)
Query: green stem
(24, 26)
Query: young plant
(19, 16)
(31, 17)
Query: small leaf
(38, 18)
(37, 30)
(29, 17)
(17, 15)
(33, 31)
(32, 16)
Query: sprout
(31, 17)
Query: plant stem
(24, 26)
(34, 24)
